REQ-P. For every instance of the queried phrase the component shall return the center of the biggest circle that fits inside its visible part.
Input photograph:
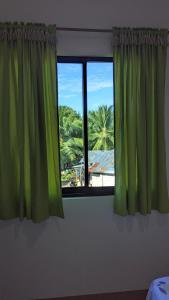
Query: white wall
(91, 250)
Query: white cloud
(70, 83)
(68, 96)
(75, 85)
(96, 85)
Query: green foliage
(69, 176)
(71, 142)
(70, 123)
(101, 129)
(100, 132)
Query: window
(86, 125)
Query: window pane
(70, 94)
(100, 123)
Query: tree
(71, 142)
(101, 128)
(70, 123)
(74, 149)
(100, 132)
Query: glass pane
(70, 94)
(100, 124)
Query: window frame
(85, 191)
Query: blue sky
(99, 85)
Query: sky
(99, 85)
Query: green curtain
(139, 78)
(29, 145)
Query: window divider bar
(85, 125)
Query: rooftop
(101, 161)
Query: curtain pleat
(29, 141)
(140, 163)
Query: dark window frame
(85, 191)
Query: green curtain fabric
(29, 152)
(139, 78)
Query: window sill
(87, 191)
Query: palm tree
(100, 132)
(70, 123)
(73, 148)
(71, 141)
(101, 128)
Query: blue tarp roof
(101, 161)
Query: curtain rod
(85, 29)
